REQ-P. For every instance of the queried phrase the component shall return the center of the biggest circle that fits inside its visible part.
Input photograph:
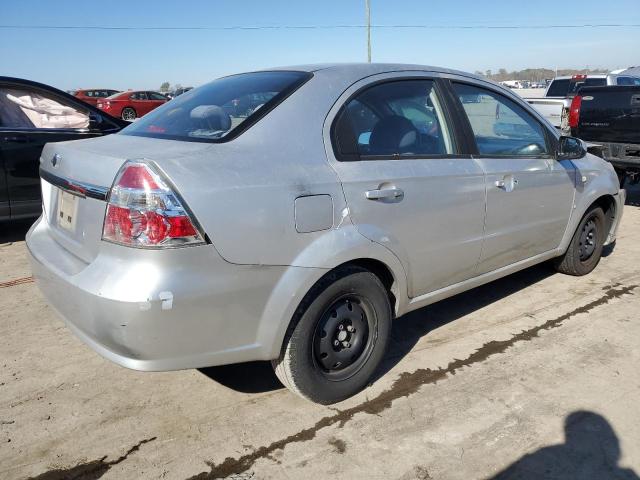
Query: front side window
(500, 126)
(31, 109)
(394, 119)
(217, 111)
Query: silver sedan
(290, 215)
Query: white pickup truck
(554, 106)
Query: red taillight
(579, 76)
(574, 111)
(144, 212)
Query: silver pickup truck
(554, 106)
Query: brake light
(143, 211)
(574, 111)
(579, 77)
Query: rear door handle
(385, 194)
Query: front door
(406, 184)
(529, 193)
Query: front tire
(128, 114)
(585, 249)
(338, 337)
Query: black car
(32, 114)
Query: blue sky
(145, 58)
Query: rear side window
(392, 120)
(500, 126)
(558, 88)
(220, 110)
(156, 96)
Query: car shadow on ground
(14, 231)
(257, 377)
(591, 449)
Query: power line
(323, 27)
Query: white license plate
(67, 210)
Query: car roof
(97, 88)
(366, 68)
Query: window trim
(471, 137)
(449, 119)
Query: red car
(131, 105)
(92, 95)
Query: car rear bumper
(162, 309)
(622, 155)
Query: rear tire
(585, 249)
(337, 338)
(128, 114)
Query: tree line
(535, 74)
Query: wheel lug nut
(341, 327)
(350, 328)
(336, 343)
(346, 344)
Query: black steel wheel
(341, 343)
(588, 239)
(585, 248)
(338, 336)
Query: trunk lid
(89, 168)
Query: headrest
(215, 116)
(393, 134)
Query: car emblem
(55, 160)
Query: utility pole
(368, 13)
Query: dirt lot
(535, 373)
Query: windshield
(217, 111)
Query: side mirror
(95, 120)
(571, 148)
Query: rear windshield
(588, 82)
(558, 88)
(218, 111)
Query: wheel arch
(610, 207)
(296, 283)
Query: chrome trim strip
(74, 187)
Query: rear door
(529, 193)
(31, 117)
(143, 104)
(157, 99)
(406, 183)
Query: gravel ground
(533, 376)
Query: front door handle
(385, 194)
